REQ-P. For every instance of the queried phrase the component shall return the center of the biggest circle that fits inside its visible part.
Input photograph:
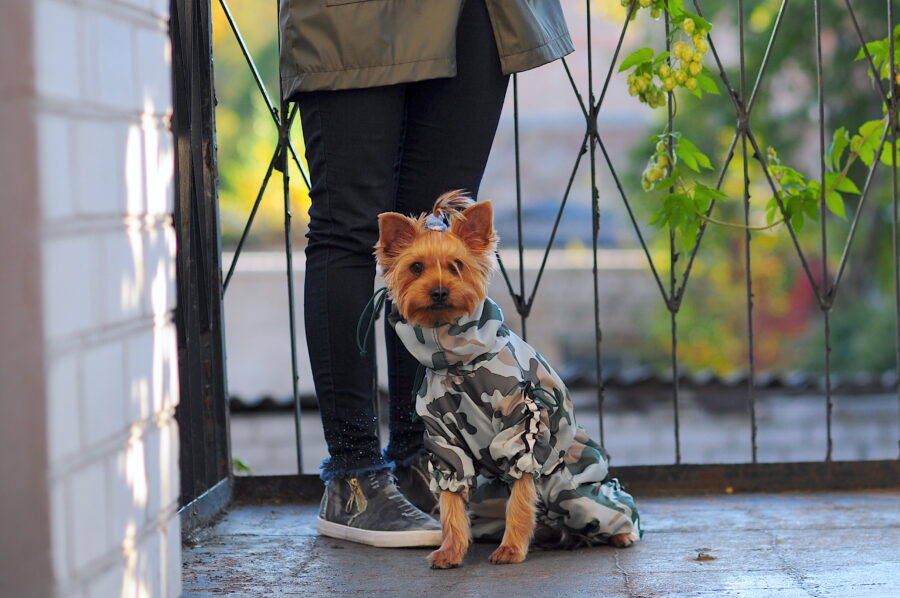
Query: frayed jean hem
(330, 472)
(394, 462)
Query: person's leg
(352, 142)
(450, 126)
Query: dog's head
(437, 266)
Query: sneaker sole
(380, 539)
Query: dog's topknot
(447, 207)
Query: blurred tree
(246, 134)
(787, 325)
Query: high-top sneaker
(369, 509)
(413, 480)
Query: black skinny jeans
(392, 148)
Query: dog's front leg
(519, 523)
(455, 530)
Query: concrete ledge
(651, 480)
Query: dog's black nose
(439, 294)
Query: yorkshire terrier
(499, 421)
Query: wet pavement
(841, 544)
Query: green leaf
(797, 221)
(843, 184)
(699, 156)
(708, 193)
(876, 49)
(687, 156)
(707, 84)
(637, 57)
(836, 204)
(872, 128)
(698, 20)
(887, 156)
(835, 151)
(676, 7)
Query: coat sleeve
(452, 467)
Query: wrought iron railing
(742, 97)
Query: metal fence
(593, 152)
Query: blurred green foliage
(787, 322)
(246, 133)
(712, 320)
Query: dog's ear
(395, 233)
(475, 226)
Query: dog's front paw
(445, 558)
(507, 554)
(623, 540)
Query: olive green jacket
(347, 44)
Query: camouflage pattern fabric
(494, 410)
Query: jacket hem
(535, 57)
(370, 76)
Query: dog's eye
(417, 268)
(457, 267)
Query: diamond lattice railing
(742, 98)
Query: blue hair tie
(437, 223)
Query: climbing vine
(676, 162)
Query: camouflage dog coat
(494, 410)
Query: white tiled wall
(103, 102)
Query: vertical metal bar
(893, 124)
(673, 257)
(595, 221)
(285, 129)
(284, 141)
(824, 303)
(751, 358)
(520, 302)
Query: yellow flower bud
(695, 68)
(691, 84)
(633, 90)
(687, 53)
(669, 83)
(664, 71)
(645, 3)
(680, 76)
(688, 26)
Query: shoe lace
(357, 499)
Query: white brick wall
(102, 106)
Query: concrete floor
(770, 546)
